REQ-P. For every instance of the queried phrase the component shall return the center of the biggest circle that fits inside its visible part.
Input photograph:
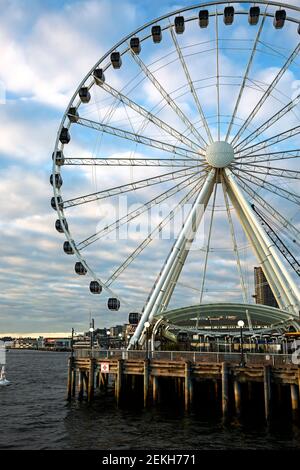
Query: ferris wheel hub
(219, 154)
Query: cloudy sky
(46, 50)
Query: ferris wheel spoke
(125, 188)
(149, 116)
(288, 195)
(218, 76)
(273, 156)
(247, 152)
(207, 249)
(151, 236)
(270, 122)
(285, 223)
(138, 138)
(169, 100)
(267, 93)
(234, 242)
(191, 85)
(267, 170)
(137, 212)
(246, 76)
(119, 162)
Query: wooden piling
(216, 389)
(74, 378)
(85, 383)
(237, 397)
(155, 389)
(267, 392)
(187, 385)
(91, 379)
(225, 389)
(70, 377)
(146, 381)
(118, 383)
(80, 385)
(294, 399)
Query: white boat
(3, 380)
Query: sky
(46, 50)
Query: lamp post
(72, 344)
(92, 339)
(108, 338)
(147, 325)
(91, 330)
(241, 325)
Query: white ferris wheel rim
(59, 146)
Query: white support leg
(186, 235)
(287, 283)
(263, 260)
(170, 288)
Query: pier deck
(183, 373)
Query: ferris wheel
(198, 108)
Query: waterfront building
(263, 293)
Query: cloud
(44, 61)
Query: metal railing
(276, 360)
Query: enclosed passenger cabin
(134, 318)
(253, 17)
(59, 157)
(182, 337)
(73, 114)
(99, 76)
(95, 287)
(116, 61)
(156, 34)
(80, 269)
(59, 225)
(203, 18)
(228, 15)
(59, 202)
(68, 248)
(84, 94)
(179, 24)
(113, 304)
(58, 180)
(135, 45)
(64, 136)
(279, 19)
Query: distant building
(25, 343)
(40, 342)
(57, 343)
(116, 330)
(263, 293)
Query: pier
(266, 381)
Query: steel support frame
(170, 270)
(258, 251)
(279, 278)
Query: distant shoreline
(40, 349)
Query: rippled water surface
(35, 415)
